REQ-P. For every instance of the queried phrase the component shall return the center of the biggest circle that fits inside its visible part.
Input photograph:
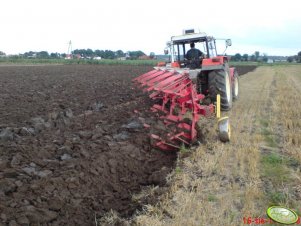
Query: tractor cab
(180, 45)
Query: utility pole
(69, 53)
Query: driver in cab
(193, 53)
(193, 56)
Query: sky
(270, 27)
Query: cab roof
(188, 38)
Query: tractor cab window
(181, 53)
(211, 48)
(201, 46)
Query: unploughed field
(74, 150)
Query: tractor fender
(212, 67)
(213, 63)
(232, 70)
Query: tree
(152, 55)
(299, 57)
(76, 51)
(89, 52)
(136, 54)
(109, 54)
(54, 55)
(30, 54)
(265, 57)
(2, 53)
(237, 57)
(256, 55)
(119, 53)
(43, 54)
(99, 53)
(81, 52)
(290, 59)
(245, 57)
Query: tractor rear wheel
(235, 87)
(219, 83)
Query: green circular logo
(282, 215)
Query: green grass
(271, 141)
(277, 198)
(269, 137)
(117, 62)
(184, 149)
(264, 122)
(247, 63)
(276, 172)
(212, 198)
(178, 170)
(236, 63)
(76, 61)
(273, 159)
(31, 61)
(276, 159)
(275, 168)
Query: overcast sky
(272, 27)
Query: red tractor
(188, 88)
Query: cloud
(146, 25)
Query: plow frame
(178, 97)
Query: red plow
(180, 87)
(178, 101)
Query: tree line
(108, 54)
(83, 53)
(295, 58)
(257, 57)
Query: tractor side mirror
(228, 42)
(165, 51)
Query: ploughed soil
(245, 69)
(73, 143)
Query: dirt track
(72, 146)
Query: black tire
(235, 86)
(219, 83)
